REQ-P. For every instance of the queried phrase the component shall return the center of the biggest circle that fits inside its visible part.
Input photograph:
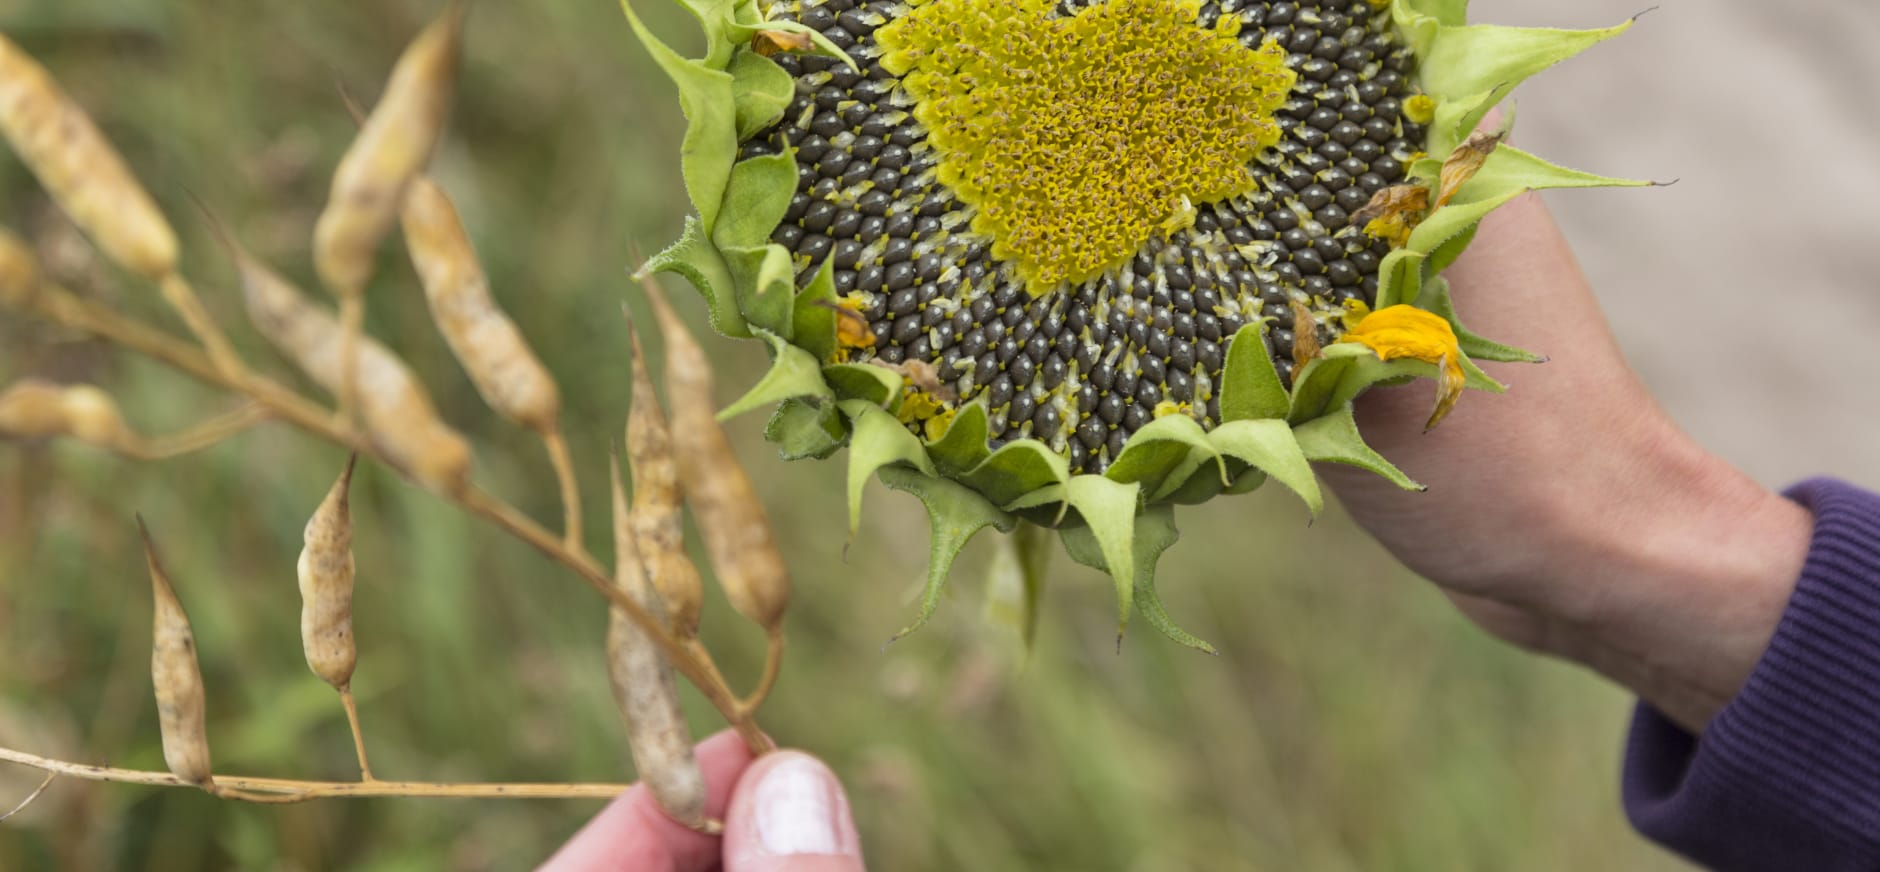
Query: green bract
(906, 221)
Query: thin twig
(181, 297)
(290, 790)
(359, 736)
(558, 456)
(352, 318)
(204, 435)
(716, 691)
(773, 665)
(31, 796)
(65, 308)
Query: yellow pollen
(1078, 138)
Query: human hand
(785, 812)
(1571, 515)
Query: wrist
(1688, 570)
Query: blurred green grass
(1351, 722)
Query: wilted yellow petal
(1394, 212)
(771, 43)
(1410, 333)
(1467, 160)
(1305, 334)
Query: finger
(632, 832)
(790, 815)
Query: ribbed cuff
(1787, 777)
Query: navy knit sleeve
(1787, 777)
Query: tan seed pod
(392, 147)
(19, 271)
(67, 153)
(645, 689)
(35, 409)
(731, 518)
(178, 679)
(326, 586)
(484, 340)
(397, 410)
(658, 503)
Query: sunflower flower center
(1078, 138)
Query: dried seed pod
(484, 340)
(398, 413)
(392, 147)
(645, 689)
(35, 409)
(178, 679)
(326, 586)
(658, 511)
(19, 271)
(67, 153)
(731, 518)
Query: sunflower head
(1074, 262)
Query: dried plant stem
(559, 457)
(65, 308)
(31, 796)
(773, 666)
(202, 435)
(182, 298)
(352, 320)
(359, 737)
(705, 678)
(290, 790)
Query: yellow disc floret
(1078, 138)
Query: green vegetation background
(1352, 721)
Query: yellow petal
(1410, 333)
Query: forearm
(1673, 584)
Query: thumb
(789, 814)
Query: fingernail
(798, 807)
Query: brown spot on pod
(177, 678)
